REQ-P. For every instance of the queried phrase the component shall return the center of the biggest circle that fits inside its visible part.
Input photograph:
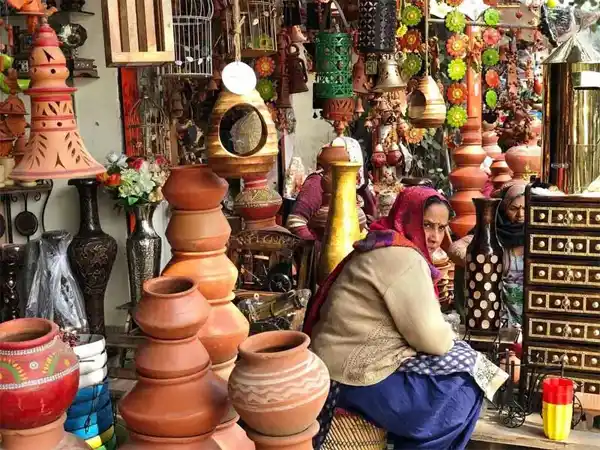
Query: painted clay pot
(48, 437)
(142, 442)
(213, 271)
(171, 308)
(225, 329)
(177, 407)
(258, 201)
(299, 441)
(198, 231)
(278, 386)
(524, 161)
(159, 358)
(39, 374)
(230, 436)
(195, 187)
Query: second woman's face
(516, 210)
(435, 224)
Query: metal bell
(388, 76)
(296, 71)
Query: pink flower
(136, 163)
(160, 160)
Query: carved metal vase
(12, 262)
(143, 250)
(92, 254)
(483, 273)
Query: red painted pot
(39, 374)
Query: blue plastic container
(100, 416)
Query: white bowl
(92, 363)
(89, 345)
(92, 378)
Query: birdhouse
(259, 28)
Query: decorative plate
(72, 35)
(411, 16)
(492, 78)
(491, 98)
(412, 65)
(490, 57)
(491, 36)
(266, 89)
(491, 17)
(411, 41)
(264, 66)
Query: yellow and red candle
(557, 409)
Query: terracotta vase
(501, 173)
(48, 437)
(177, 407)
(198, 231)
(300, 441)
(39, 374)
(142, 442)
(524, 160)
(171, 308)
(194, 188)
(223, 370)
(230, 436)
(278, 386)
(490, 140)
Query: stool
(351, 432)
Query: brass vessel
(342, 229)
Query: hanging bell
(297, 36)
(360, 82)
(358, 109)
(426, 105)
(296, 71)
(212, 85)
(283, 93)
(388, 76)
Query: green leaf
(132, 200)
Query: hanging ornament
(401, 30)
(264, 66)
(491, 36)
(491, 17)
(491, 98)
(492, 78)
(454, 3)
(457, 69)
(457, 116)
(266, 89)
(411, 41)
(411, 16)
(457, 45)
(457, 93)
(411, 65)
(415, 135)
(456, 21)
(490, 57)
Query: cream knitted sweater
(381, 310)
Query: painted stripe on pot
(103, 439)
(88, 407)
(91, 392)
(101, 415)
(92, 363)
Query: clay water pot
(48, 437)
(142, 442)
(223, 370)
(225, 329)
(171, 308)
(524, 161)
(159, 358)
(177, 407)
(39, 374)
(198, 231)
(278, 386)
(501, 173)
(195, 187)
(299, 441)
(230, 436)
(213, 271)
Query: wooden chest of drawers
(561, 324)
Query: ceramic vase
(142, 442)
(483, 271)
(278, 387)
(193, 188)
(48, 437)
(198, 231)
(92, 254)
(39, 374)
(143, 250)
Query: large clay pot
(198, 231)
(230, 436)
(213, 271)
(257, 203)
(299, 441)
(524, 161)
(159, 358)
(177, 407)
(39, 374)
(48, 437)
(501, 173)
(171, 308)
(490, 140)
(195, 187)
(278, 386)
(142, 442)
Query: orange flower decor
(415, 135)
(264, 66)
(458, 45)
(457, 93)
(454, 3)
(492, 78)
(491, 36)
(411, 41)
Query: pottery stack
(90, 417)
(177, 401)
(39, 375)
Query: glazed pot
(524, 161)
(230, 436)
(195, 187)
(39, 374)
(225, 329)
(213, 271)
(142, 442)
(51, 436)
(159, 358)
(177, 407)
(278, 386)
(171, 308)
(198, 231)
(299, 441)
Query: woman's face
(516, 210)
(435, 224)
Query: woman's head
(436, 215)
(513, 203)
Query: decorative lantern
(259, 28)
(426, 107)
(333, 65)
(377, 26)
(148, 130)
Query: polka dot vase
(483, 272)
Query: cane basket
(351, 432)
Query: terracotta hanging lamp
(55, 148)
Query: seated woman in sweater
(377, 325)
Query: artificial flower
(401, 30)
(454, 3)
(419, 4)
(266, 89)
(457, 93)
(457, 69)
(411, 16)
(491, 36)
(492, 78)
(412, 65)
(113, 180)
(458, 45)
(456, 116)
(264, 66)
(490, 57)
(491, 98)
(411, 41)
(456, 21)
(491, 17)
(415, 135)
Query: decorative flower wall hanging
(264, 66)
(401, 30)
(456, 21)
(457, 69)
(490, 57)
(457, 116)
(415, 135)
(491, 36)
(457, 93)
(412, 65)
(491, 98)
(457, 45)
(412, 15)
(265, 88)
(492, 78)
(411, 41)
(454, 3)
(491, 17)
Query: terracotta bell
(338, 109)
(296, 71)
(358, 108)
(388, 76)
(360, 81)
(426, 105)
(283, 93)
(297, 36)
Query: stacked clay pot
(177, 400)
(39, 376)
(279, 387)
(525, 159)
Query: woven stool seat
(351, 432)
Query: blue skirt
(429, 412)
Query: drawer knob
(578, 275)
(539, 300)
(579, 218)
(560, 245)
(576, 331)
(595, 305)
(573, 359)
(539, 328)
(541, 244)
(560, 217)
(576, 303)
(570, 245)
(557, 302)
(570, 216)
(597, 247)
(596, 332)
(579, 246)
(560, 273)
(542, 216)
(597, 217)
(594, 361)
(542, 273)
(597, 276)
(558, 330)
(592, 388)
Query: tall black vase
(92, 254)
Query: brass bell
(283, 94)
(426, 105)
(388, 76)
(296, 71)
(360, 81)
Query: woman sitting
(377, 325)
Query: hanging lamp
(55, 148)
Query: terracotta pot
(142, 442)
(157, 358)
(506, 365)
(257, 201)
(177, 407)
(213, 271)
(300, 441)
(198, 231)
(524, 161)
(490, 141)
(230, 436)
(332, 153)
(278, 386)
(171, 308)
(49, 437)
(195, 187)
(225, 329)
(39, 374)
(223, 370)
(501, 173)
